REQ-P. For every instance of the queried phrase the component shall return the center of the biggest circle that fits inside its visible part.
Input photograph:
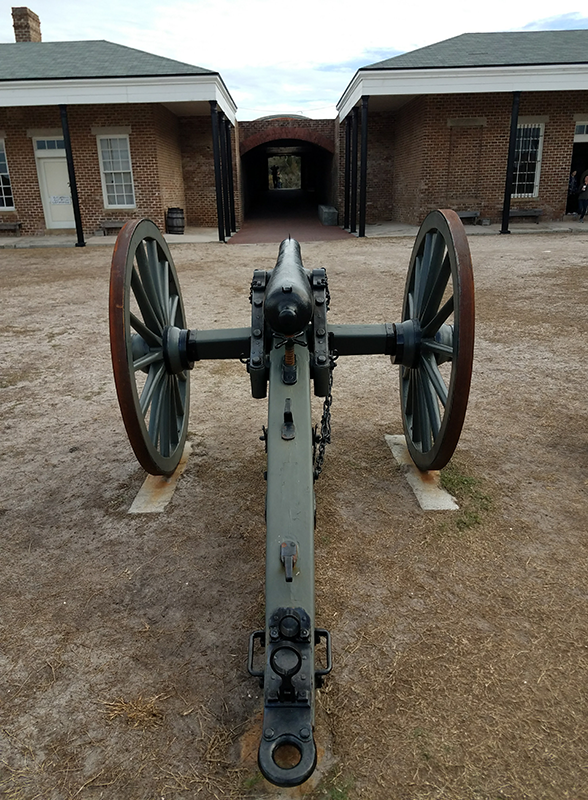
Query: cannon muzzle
(288, 297)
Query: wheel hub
(175, 350)
(408, 343)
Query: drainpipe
(230, 173)
(514, 121)
(217, 170)
(347, 173)
(225, 174)
(363, 166)
(352, 227)
(72, 177)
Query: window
(528, 159)
(49, 144)
(115, 166)
(6, 199)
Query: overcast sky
(278, 57)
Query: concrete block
(327, 215)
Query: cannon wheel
(439, 301)
(145, 300)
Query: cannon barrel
(288, 297)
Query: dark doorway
(304, 168)
(284, 172)
(580, 166)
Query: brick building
(441, 126)
(312, 141)
(93, 133)
(437, 124)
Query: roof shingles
(495, 50)
(94, 59)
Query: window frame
(104, 172)
(4, 207)
(537, 174)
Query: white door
(55, 191)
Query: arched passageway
(305, 178)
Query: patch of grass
(335, 787)
(473, 501)
(252, 781)
(139, 713)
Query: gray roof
(23, 61)
(495, 50)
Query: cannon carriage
(289, 349)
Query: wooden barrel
(174, 222)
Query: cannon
(289, 348)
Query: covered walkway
(280, 213)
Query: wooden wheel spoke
(150, 358)
(151, 338)
(177, 397)
(154, 378)
(149, 315)
(434, 254)
(165, 302)
(146, 273)
(437, 347)
(440, 317)
(435, 378)
(437, 289)
(173, 308)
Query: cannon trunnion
(288, 348)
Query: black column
(230, 174)
(363, 165)
(353, 212)
(217, 170)
(72, 176)
(347, 169)
(225, 174)
(514, 121)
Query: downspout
(72, 176)
(217, 170)
(514, 121)
(363, 165)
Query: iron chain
(325, 435)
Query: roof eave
(106, 91)
(462, 80)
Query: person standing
(583, 199)
(572, 193)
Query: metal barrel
(288, 297)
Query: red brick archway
(290, 132)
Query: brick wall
(169, 158)
(198, 171)
(155, 159)
(317, 131)
(417, 162)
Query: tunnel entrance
(286, 177)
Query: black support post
(217, 170)
(230, 173)
(347, 169)
(363, 165)
(354, 132)
(225, 174)
(514, 121)
(72, 176)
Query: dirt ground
(460, 638)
